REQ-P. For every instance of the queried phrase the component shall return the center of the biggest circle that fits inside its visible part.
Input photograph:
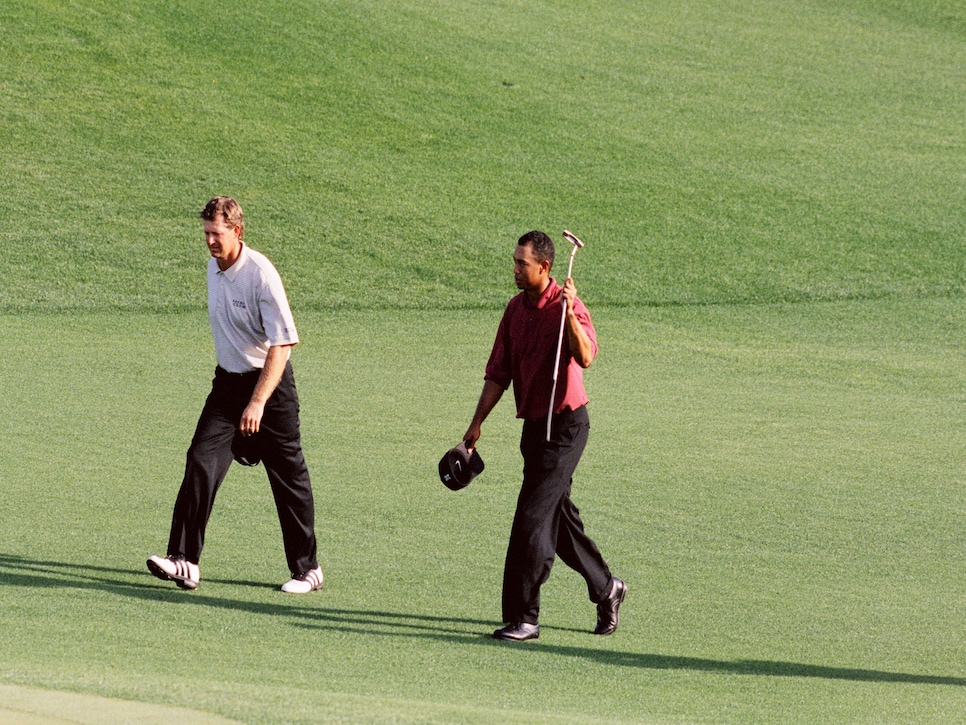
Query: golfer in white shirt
(252, 412)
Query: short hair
(226, 210)
(541, 244)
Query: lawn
(780, 485)
(772, 198)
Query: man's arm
(251, 418)
(492, 392)
(578, 340)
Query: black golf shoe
(608, 607)
(518, 632)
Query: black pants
(546, 522)
(280, 446)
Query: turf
(772, 199)
(779, 485)
(757, 151)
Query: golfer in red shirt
(546, 523)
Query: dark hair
(224, 209)
(541, 244)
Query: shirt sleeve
(277, 319)
(498, 367)
(583, 317)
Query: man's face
(224, 242)
(528, 273)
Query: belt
(222, 373)
(564, 412)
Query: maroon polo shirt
(525, 348)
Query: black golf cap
(244, 449)
(459, 466)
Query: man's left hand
(569, 293)
(251, 419)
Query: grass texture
(772, 198)
(751, 151)
(778, 484)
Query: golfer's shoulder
(259, 260)
(516, 303)
(262, 266)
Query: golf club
(577, 244)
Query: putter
(577, 244)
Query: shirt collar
(232, 272)
(548, 294)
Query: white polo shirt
(248, 311)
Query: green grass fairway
(746, 151)
(773, 197)
(780, 485)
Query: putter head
(569, 236)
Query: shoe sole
(505, 638)
(164, 576)
(308, 580)
(517, 639)
(307, 591)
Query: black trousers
(547, 523)
(280, 445)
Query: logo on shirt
(239, 303)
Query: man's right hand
(490, 396)
(472, 435)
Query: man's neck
(224, 264)
(535, 294)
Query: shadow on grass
(17, 571)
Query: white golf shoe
(177, 569)
(304, 583)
